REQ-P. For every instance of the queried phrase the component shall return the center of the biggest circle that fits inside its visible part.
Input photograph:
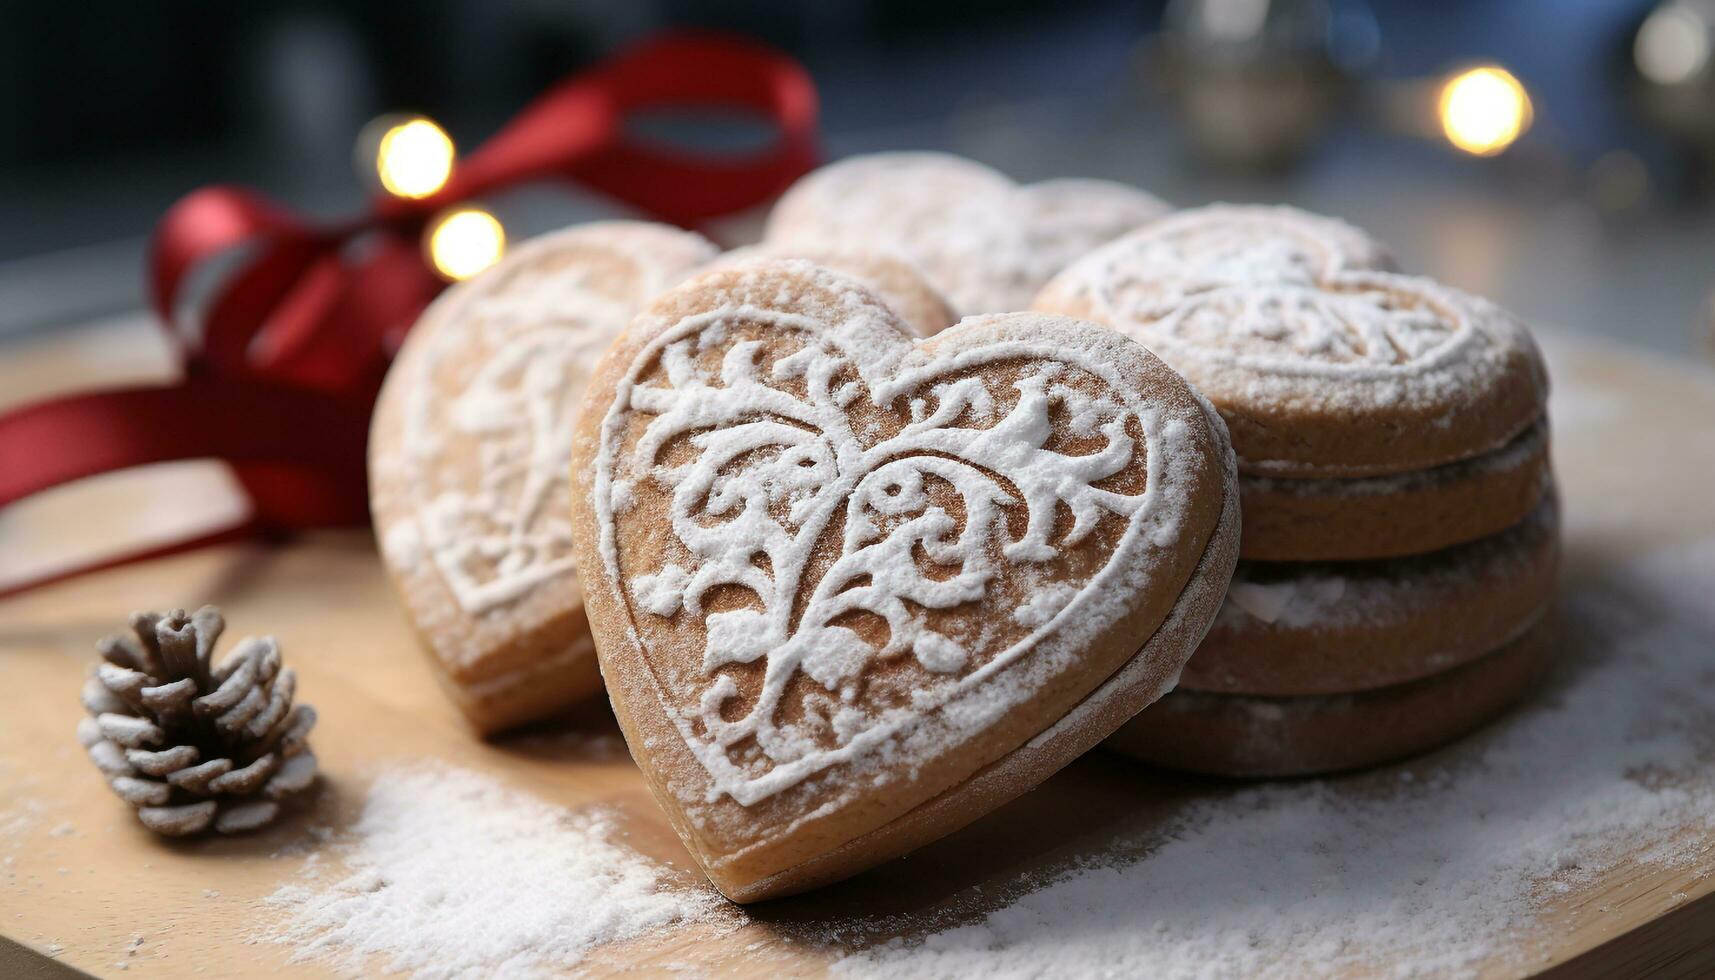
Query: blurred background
(1557, 155)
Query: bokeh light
(1484, 110)
(464, 242)
(414, 158)
(1672, 46)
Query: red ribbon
(280, 379)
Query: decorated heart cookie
(985, 242)
(468, 460)
(1217, 246)
(851, 590)
(1321, 365)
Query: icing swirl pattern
(1274, 287)
(491, 530)
(861, 535)
(1316, 354)
(495, 540)
(1289, 327)
(469, 458)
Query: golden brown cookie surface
(986, 243)
(895, 281)
(1321, 365)
(857, 589)
(1068, 216)
(1237, 735)
(1403, 514)
(468, 453)
(1200, 249)
(1293, 629)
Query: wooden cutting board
(82, 882)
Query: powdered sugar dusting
(895, 280)
(985, 242)
(1271, 291)
(482, 401)
(1068, 216)
(779, 456)
(1310, 329)
(1424, 870)
(1342, 595)
(1158, 268)
(1044, 604)
(448, 873)
(1267, 601)
(952, 217)
(1279, 315)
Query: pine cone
(189, 746)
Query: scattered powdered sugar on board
(1425, 869)
(19, 816)
(448, 873)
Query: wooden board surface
(81, 880)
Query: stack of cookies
(853, 579)
(472, 431)
(1400, 532)
(856, 575)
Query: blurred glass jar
(1256, 81)
(1673, 52)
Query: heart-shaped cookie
(851, 589)
(468, 453)
(1323, 364)
(986, 243)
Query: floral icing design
(780, 461)
(1289, 324)
(496, 539)
(1267, 294)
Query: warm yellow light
(414, 158)
(1484, 110)
(462, 243)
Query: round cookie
(1292, 630)
(954, 218)
(1321, 365)
(1404, 514)
(1199, 249)
(1237, 735)
(985, 242)
(852, 589)
(1067, 217)
(895, 280)
(467, 461)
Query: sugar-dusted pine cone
(190, 745)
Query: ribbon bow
(281, 377)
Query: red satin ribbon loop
(280, 373)
(258, 422)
